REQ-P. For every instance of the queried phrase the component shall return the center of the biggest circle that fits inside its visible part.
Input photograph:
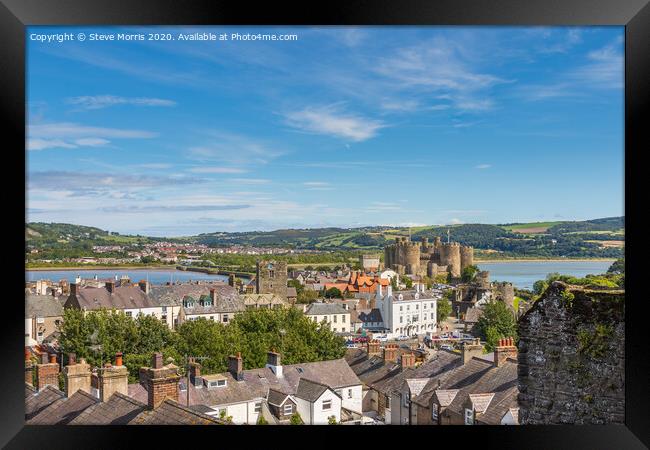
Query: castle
(424, 258)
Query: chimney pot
(44, 359)
(118, 359)
(52, 358)
(72, 359)
(156, 360)
(28, 354)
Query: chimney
(195, 374)
(213, 296)
(47, 372)
(113, 379)
(110, 286)
(76, 375)
(373, 347)
(29, 367)
(468, 351)
(407, 360)
(379, 291)
(273, 363)
(144, 285)
(505, 349)
(390, 353)
(231, 279)
(160, 381)
(74, 288)
(389, 289)
(236, 367)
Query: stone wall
(572, 357)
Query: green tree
(443, 309)
(539, 287)
(307, 296)
(496, 322)
(296, 284)
(295, 419)
(333, 292)
(618, 267)
(469, 273)
(261, 420)
(393, 283)
(407, 282)
(331, 420)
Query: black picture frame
(633, 14)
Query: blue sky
(346, 126)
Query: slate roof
(123, 297)
(119, 409)
(373, 315)
(416, 384)
(291, 292)
(275, 397)
(171, 412)
(29, 390)
(41, 400)
(310, 390)
(473, 314)
(479, 381)
(256, 383)
(172, 295)
(65, 409)
(42, 306)
(445, 396)
(227, 300)
(322, 309)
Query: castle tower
(412, 257)
(505, 292)
(466, 257)
(450, 257)
(271, 278)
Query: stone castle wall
(572, 357)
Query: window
(343, 329)
(417, 307)
(387, 402)
(343, 318)
(327, 404)
(401, 308)
(211, 317)
(217, 383)
(349, 393)
(288, 409)
(163, 317)
(129, 314)
(401, 319)
(40, 320)
(225, 317)
(271, 274)
(408, 308)
(258, 407)
(434, 412)
(432, 305)
(406, 400)
(425, 316)
(424, 306)
(334, 318)
(164, 310)
(469, 417)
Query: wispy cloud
(213, 169)
(250, 180)
(72, 135)
(104, 101)
(483, 166)
(163, 208)
(332, 120)
(231, 148)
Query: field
(530, 228)
(610, 244)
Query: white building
(334, 314)
(408, 312)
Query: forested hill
(603, 238)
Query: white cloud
(316, 183)
(250, 180)
(233, 149)
(483, 166)
(217, 170)
(104, 101)
(330, 120)
(72, 135)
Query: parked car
(447, 347)
(351, 345)
(402, 337)
(381, 338)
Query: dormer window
(215, 383)
(434, 412)
(469, 416)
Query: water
(155, 276)
(522, 274)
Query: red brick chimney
(390, 353)
(236, 367)
(160, 381)
(213, 296)
(505, 349)
(29, 367)
(47, 372)
(195, 374)
(407, 360)
(373, 347)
